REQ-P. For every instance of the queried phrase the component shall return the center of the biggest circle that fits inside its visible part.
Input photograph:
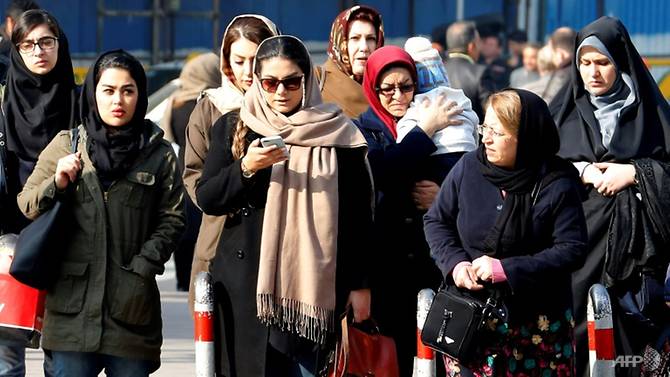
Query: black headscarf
(113, 149)
(643, 128)
(36, 106)
(535, 167)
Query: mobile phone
(273, 140)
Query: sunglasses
(291, 83)
(389, 91)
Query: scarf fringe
(308, 321)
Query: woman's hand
(615, 177)
(483, 267)
(424, 194)
(67, 169)
(360, 304)
(467, 278)
(436, 115)
(259, 157)
(592, 176)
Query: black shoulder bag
(456, 317)
(36, 255)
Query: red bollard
(204, 326)
(424, 362)
(601, 332)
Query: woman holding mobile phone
(280, 277)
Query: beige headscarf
(198, 74)
(296, 278)
(228, 97)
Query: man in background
(464, 73)
(562, 42)
(527, 73)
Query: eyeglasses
(291, 83)
(45, 43)
(483, 129)
(389, 91)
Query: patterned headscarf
(339, 34)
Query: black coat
(474, 79)
(402, 262)
(464, 213)
(223, 190)
(642, 132)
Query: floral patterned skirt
(541, 348)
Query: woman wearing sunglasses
(294, 248)
(389, 84)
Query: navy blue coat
(539, 278)
(402, 261)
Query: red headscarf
(378, 62)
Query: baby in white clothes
(432, 81)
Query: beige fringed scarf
(296, 278)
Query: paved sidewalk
(177, 353)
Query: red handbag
(21, 307)
(362, 354)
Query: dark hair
(250, 28)
(16, 7)
(517, 36)
(288, 47)
(30, 20)
(285, 46)
(460, 34)
(123, 60)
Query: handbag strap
(493, 306)
(3, 157)
(344, 346)
(74, 139)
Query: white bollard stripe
(424, 367)
(204, 353)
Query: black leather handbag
(36, 255)
(454, 319)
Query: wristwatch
(246, 173)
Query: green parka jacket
(106, 299)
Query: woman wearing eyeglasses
(509, 214)
(295, 246)
(38, 100)
(403, 265)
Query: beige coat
(338, 88)
(203, 117)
